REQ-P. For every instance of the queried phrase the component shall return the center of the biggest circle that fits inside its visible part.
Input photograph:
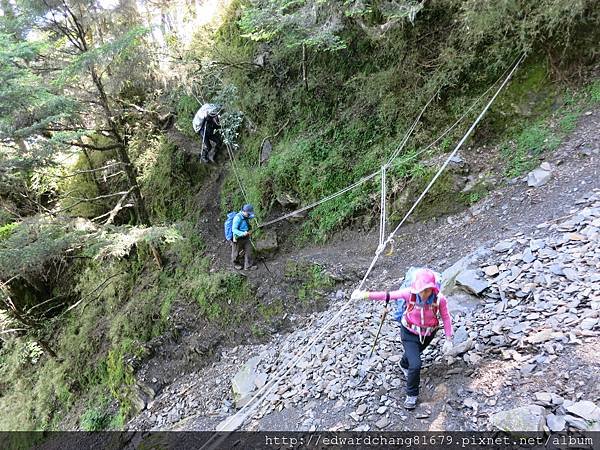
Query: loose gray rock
(578, 423)
(504, 246)
(528, 256)
(556, 423)
(382, 423)
(461, 348)
(265, 151)
(525, 418)
(491, 271)
(471, 282)
(244, 381)
(267, 242)
(589, 323)
(586, 410)
(538, 177)
(543, 398)
(545, 335)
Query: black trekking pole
(203, 141)
(383, 316)
(260, 258)
(385, 311)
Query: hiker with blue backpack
(420, 303)
(238, 231)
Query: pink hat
(424, 279)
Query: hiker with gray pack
(206, 124)
(419, 306)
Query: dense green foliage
(124, 302)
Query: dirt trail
(201, 399)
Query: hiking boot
(238, 266)
(410, 402)
(254, 267)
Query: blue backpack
(229, 225)
(401, 304)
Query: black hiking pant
(211, 139)
(412, 358)
(243, 243)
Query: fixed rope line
(235, 171)
(323, 200)
(251, 405)
(271, 384)
(409, 132)
(382, 215)
(439, 172)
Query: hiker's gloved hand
(447, 346)
(359, 295)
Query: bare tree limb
(118, 207)
(101, 285)
(81, 172)
(83, 200)
(94, 147)
(12, 330)
(120, 172)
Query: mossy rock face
(443, 198)
(267, 243)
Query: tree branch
(100, 197)
(101, 285)
(94, 147)
(118, 207)
(81, 172)
(12, 330)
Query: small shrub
(312, 279)
(594, 90)
(221, 297)
(6, 230)
(186, 108)
(529, 144)
(568, 122)
(95, 419)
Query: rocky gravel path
(522, 274)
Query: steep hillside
(536, 250)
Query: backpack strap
(435, 306)
(245, 219)
(412, 301)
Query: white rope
(407, 135)
(323, 200)
(251, 405)
(382, 215)
(439, 172)
(235, 171)
(397, 151)
(394, 155)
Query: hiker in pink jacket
(422, 302)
